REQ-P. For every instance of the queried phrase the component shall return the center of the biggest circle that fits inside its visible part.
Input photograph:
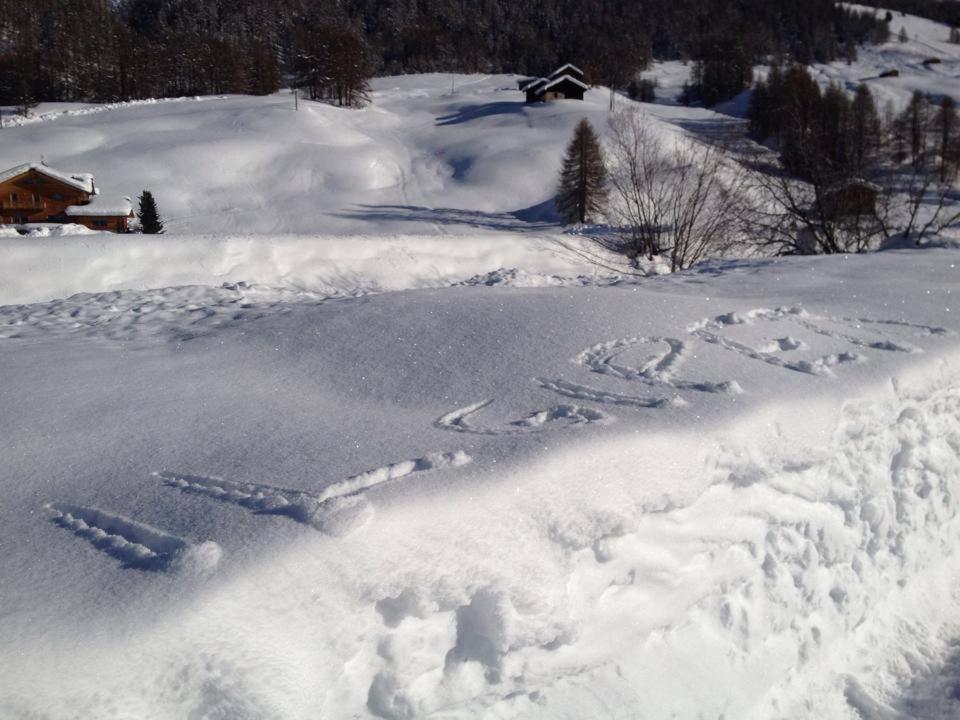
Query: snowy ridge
(55, 111)
(321, 265)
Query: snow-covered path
(727, 491)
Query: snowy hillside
(367, 436)
(927, 41)
(418, 159)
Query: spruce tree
(150, 222)
(582, 192)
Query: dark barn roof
(566, 80)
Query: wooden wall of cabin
(36, 198)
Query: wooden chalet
(564, 83)
(853, 198)
(36, 193)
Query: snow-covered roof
(101, 208)
(80, 181)
(561, 79)
(562, 70)
(533, 84)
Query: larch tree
(948, 142)
(582, 191)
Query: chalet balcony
(26, 204)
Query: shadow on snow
(537, 217)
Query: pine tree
(150, 222)
(903, 37)
(582, 192)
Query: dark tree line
(864, 172)
(947, 13)
(106, 50)
(724, 59)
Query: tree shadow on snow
(468, 113)
(537, 217)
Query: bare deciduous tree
(793, 216)
(678, 201)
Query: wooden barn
(564, 83)
(36, 193)
(854, 198)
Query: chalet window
(36, 198)
(13, 198)
(57, 196)
(101, 223)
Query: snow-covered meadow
(727, 491)
(366, 436)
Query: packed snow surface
(730, 492)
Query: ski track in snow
(337, 510)
(135, 544)
(554, 418)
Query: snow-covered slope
(927, 41)
(728, 492)
(418, 159)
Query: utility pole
(296, 99)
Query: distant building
(854, 198)
(36, 193)
(564, 83)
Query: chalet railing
(22, 205)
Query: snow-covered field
(731, 491)
(418, 159)
(365, 436)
